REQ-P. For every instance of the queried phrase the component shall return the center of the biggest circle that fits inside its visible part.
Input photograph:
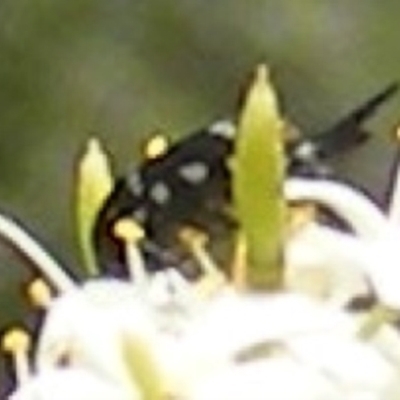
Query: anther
(129, 230)
(39, 293)
(156, 147)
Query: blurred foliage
(122, 69)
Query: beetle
(189, 185)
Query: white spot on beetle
(223, 128)
(160, 193)
(305, 151)
(195, 172)
(140, 215)
(135, 183)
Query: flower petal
(320, 260)
(354, 207)
(72, 384)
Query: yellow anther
(128, 230)
(192, 237)
(17, 342)
(39, 293)
(156, 147)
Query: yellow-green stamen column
(258, 175)
(94, 182)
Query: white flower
(252, 338)
(158, 338)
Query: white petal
(72, 384)
(320, 261)
(382, 262)
(354, 364)
(234, 323)
(387, 341)
(356, 208)
(280, 378)
(87, 324)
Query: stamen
(39, 293)
(47, 265)
(16, 342)
(156, 147)
(212, 278)
(131, 233)
(94, 182)
(239, 265)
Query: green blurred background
(122, 69)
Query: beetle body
(189, 185)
